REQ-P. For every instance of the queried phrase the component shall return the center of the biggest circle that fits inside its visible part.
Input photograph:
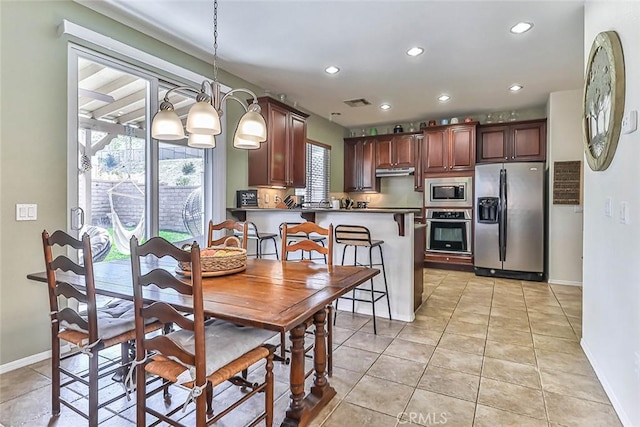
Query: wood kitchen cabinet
(281, 159)
(359, 165)
(512, 142)
(418, 177)
(448, 149)
(395, 151)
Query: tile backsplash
(395, 191)
(269, 197)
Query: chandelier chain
(215, 40)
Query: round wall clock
(603, 100)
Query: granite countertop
(367, 210)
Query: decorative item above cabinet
(281, 160)
(524, 141)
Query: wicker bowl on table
(219, 260)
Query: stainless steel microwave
(448, 192)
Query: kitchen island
(396, 227)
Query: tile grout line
(484, 351)
(535, 355)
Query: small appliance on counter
(247, 199)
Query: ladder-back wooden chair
(238, 229)
(313, 244)
(92, 330)
(200, 355)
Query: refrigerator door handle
(502, 216)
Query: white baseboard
(30, 360)
(564, 282)
(624, 418)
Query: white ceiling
(284, 47)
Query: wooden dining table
(269, 294)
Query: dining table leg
(296, 377)
(303, 409)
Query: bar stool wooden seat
(91, 331)
(199, 356)
(292, 242)
(358, 236)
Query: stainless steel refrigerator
(510, 220)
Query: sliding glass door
(121, 182)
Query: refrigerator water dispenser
(488, 210)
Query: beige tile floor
(482, 352)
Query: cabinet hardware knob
(506, 158)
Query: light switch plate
(26, 212)
(624, 213)
(607, 207)
(629, 122)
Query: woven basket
(234, 258)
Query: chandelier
(203, 120)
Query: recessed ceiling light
(444, 98)
(385, 106)
(415, 51)
(331, 69)
(521, 27)
(515, 88)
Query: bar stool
(359, 236)
(254, 234)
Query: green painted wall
(33, 147)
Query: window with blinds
(318, 173)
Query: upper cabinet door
(517, 141)
(384, 152)
(278, 146)
(462, 147)
(368, 181)
(280, 160)
(434, 158)
(493, 144)
(298, 152)
(418, 180)
(529, 141)
(405, 151)
(351, 166)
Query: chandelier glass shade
(201, 141)
(167, 126)
(203, 119)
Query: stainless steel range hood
(394, 172)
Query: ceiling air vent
(360, 102)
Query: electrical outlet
(266, 198)
(629, 122)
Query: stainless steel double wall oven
(448, 214)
